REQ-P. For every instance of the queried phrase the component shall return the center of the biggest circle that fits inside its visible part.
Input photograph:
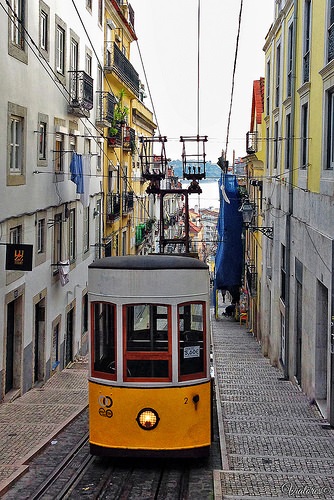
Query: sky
(166, 57)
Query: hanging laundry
(86, 171)
(76, 172)
(64, 271)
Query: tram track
(66, 473)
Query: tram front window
(104, 338)
(191, 340)
(148, 350)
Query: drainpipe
(290, 197)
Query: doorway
(13, 345)
(321, 348)
(69, 336)
(39, 342)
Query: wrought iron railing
(81, 91)
(330, 50)
(113, 206)
(116, 61)
(251, 278)
(251, 142)
(105, 107)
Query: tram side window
(191, 339)
(148, 350)
(104, 338)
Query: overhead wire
(233, 79)
(60, 86)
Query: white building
(49, 108)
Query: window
(86, 229)
(276, 144)
(72, 236)
(74, 55)
(98, 230)
(104, 341)
(267, 147)
(330, 130)
(15, 235)
(16, 145)
(88, 64)
(148, 346)
(304, 134)
(41, 236)
(60, 50)
(44, 28)
(283, 272)
(59, 154)
(278, 74)
(17, 18)
(268, 88)
(330, 42)
(287, 140)
(100, 12)
(42, 140)
(191, 340)
(290, 61)
(307, 36)
(57, 240)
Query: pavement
(30, 422)
(274, 442)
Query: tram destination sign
(18, 257)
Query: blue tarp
(229, 257)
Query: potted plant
(119, 119)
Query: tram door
(69, 337)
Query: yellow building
(297, 306)
(253, 239)
(124, 118)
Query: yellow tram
(149, 375)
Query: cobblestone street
(275, 444)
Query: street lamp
(248, 211)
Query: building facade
(297, 306)
(67, 69)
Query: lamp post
(248, 212)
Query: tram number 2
(186, 400)
(105, 413)
(105, 403)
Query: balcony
(251, 278)
(114, 137)
(251, 142)
(105, 109)
(113, 206)
(127, 202)
(116, 62)
(81, 93)
(129, 138)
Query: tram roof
(156, 261)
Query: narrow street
(275, 443)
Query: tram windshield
(147, 341)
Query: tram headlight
(147, 419)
